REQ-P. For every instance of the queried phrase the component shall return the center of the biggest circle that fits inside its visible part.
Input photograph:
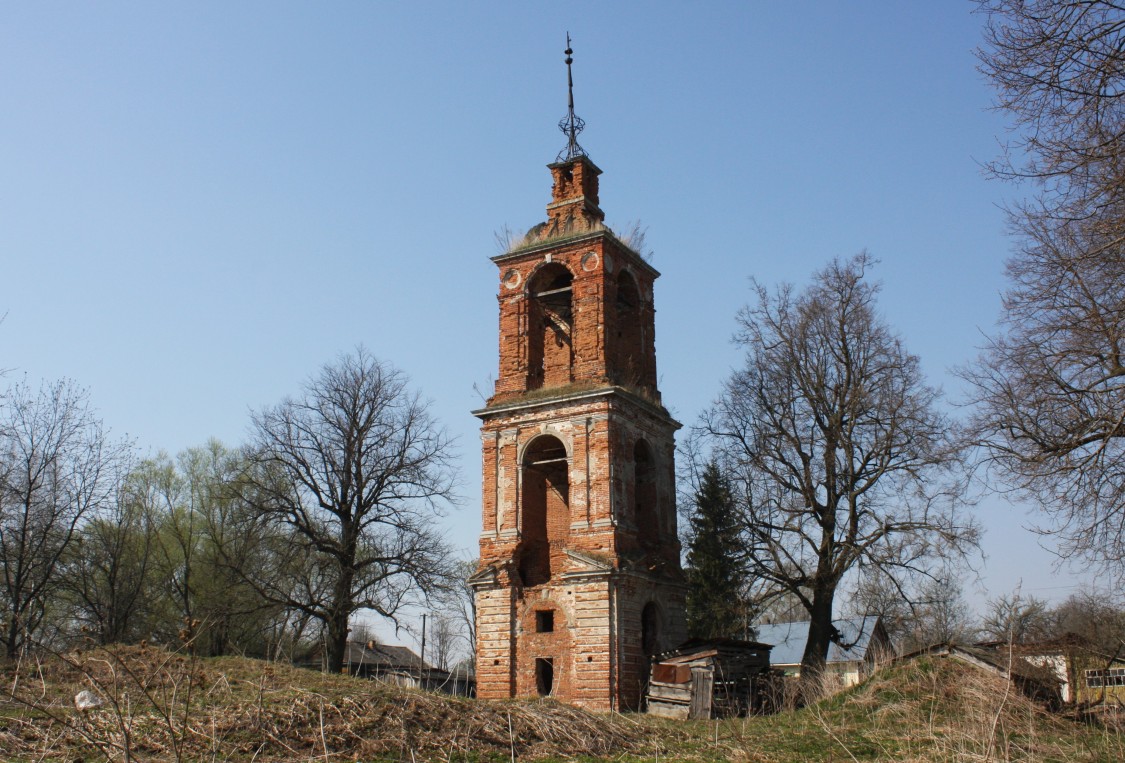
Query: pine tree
(715, 571)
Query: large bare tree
(838, 450)
(1049, 386)
(1059, 70)
(57, 467)
(355, 470)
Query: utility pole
(422, 659)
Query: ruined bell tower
(579, 580)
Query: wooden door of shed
(702, 681)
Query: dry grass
(160, 706)
(927, 710)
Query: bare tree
(443, 640)
(109, 570)
(839, 454)
(1059, 70)
(932, 612)
(1096, 616)
(355, 469)
(1048, 388)
(462, 604)
(1017, 619)
(941, 615)
(57, 467)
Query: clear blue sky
(203, 202)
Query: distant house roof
(372, 656)
(384, 656)
(789, 640)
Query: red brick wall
(606, 345)
(597, 397)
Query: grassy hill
(159, 706)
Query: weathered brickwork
(580, 580)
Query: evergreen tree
(715, 570)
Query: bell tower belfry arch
(579, 580)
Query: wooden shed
(709, 678)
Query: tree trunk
(13, 645)
(337, 620)
(337, 640)
(820, 634)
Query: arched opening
(629, 333)
(544, 509)
(544, 676)
(645, 512)
(650, 629)
(550, 343)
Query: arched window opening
(645, 512)
(550, 327)
(650, 629)
(628, 298)
(629, 332)
(544, 510)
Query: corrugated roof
(789, 640)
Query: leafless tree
(461, 604)
(1049, 390)
(941, 616)
(839, 452)
(1017, 619)
(1059, 70)
(932, 612)
(443, 641)
(1048, 387)
(109, 570)
(772, 605)
(57, 467)
(1096, 616)
(355, 470)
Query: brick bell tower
(579, 581)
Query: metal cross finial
(570, 125)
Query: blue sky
(202, 203)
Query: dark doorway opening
(544, 675)
(545, 508)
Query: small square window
(544, 621)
